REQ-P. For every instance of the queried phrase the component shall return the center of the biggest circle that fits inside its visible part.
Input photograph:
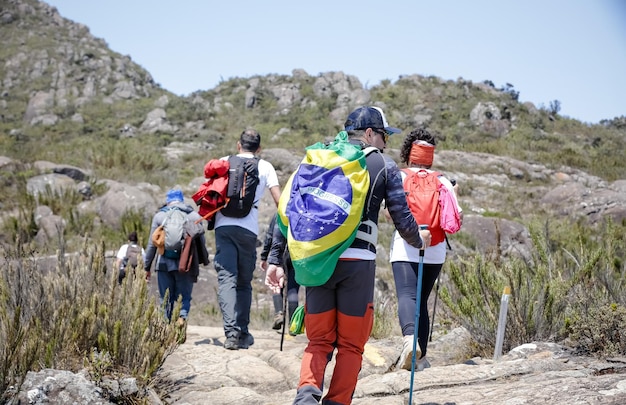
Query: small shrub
(58, 314)
(600, 330)
(572, 268)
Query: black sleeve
(279, 244)
(395, 202)
(151, 250)
(267, 244)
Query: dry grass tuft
(572, 288)
(72, 314)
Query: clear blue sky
(573, 51)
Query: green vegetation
(572, 287)
(70, 313)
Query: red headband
(422, 153)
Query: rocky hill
(53, 67)
(89, 144)
(61, 84)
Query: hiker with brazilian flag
(328, 218)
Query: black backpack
(243, 179)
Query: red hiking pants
(338, 314)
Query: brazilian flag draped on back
(320, 209)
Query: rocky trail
(201, 371)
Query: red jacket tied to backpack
(211, 195)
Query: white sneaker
(421, 364)
(406, 356)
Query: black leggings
(405, 277)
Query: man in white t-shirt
(124, 255)
(235, 255)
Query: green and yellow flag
(321, 207)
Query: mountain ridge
(61, 82)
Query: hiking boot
(422, 364)
(245, 341)
(406, 356)
(231, 343)
(278, 321)
(181, 330)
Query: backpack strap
(257, 160)
(407, 173)
(367, 151)
(368, 229)
(167, 208)
(210, 213)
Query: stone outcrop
(487, 184)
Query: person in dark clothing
(340, 313)
(293, 288)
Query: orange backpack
(431, 203)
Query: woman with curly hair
(417, 153)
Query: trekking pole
(285, 310)
(285, 307)
(432, 321)
(418, 299)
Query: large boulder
(49, 183)
(51, 229)
(60, 387)
(117, 200)
(489, 234)
(40, 104)
(488, 118)
(592, 200)
(76, 173)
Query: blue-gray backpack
(174, 230)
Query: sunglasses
(382, 133)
